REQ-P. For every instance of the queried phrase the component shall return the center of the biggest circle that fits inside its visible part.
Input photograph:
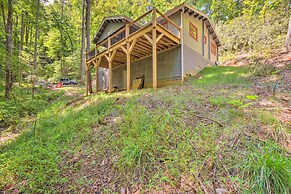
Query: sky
(49, 2)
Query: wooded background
(42, 40)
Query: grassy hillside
(215, 132)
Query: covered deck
(130, 44)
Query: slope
(213, 133)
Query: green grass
(149, 139)
(223, 76)
(268, 171)
(36, 154)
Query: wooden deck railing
(131, 28)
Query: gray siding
(176, 18)
(110, 28)
(193, 50)
(168, 64)
(193, 61)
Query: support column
(208, 44)
(97, 63)
(127, 59)
(110, 75)
(202, 37)
(128, 68)
(96, 79)
(154, 46)
(87, 80)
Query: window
(213, 48)
(205, 40)
(193, 31)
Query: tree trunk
(287, 44)
(88, 41)
(21, 46)
(62, 40)
(35, 48)
(22, 32)
(4, 28)
(26, 29)
(8, 81)
(3, 15)
(82, 65)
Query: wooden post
(127, 60)
(110, 74)
(202, 37)
(97, 67)
(128, 68)
(208, 44)
(154, 46)
(87, 78)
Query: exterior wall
(168, 64)
(194, 59)
(176, 18)
(213, 58)
(188, 40)
(206, 33)
(110, 28)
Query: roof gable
(107, 20)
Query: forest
(46, 40)
(43, 41)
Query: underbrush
(260, 69)
(23, 104)
(33, 159)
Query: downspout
(182, 45)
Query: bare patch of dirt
(8, 134)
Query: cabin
(163, 48)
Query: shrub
(268, 172)
(261, 69)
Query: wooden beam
(170, 21)
(208, 39)
(154, 45)
(87, 81)
(110, 76)
(159, 37)
(168, 34)
(148, 38)
(113, 55)
(97, 66)
(131, 46)
(202, 38)
(124, 49)
(128, 67)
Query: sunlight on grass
(223, 75)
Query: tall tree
(8, 76)
(82, 65)
(35, 47)
(88, 41)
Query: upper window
(193, 31)
(213, 48)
